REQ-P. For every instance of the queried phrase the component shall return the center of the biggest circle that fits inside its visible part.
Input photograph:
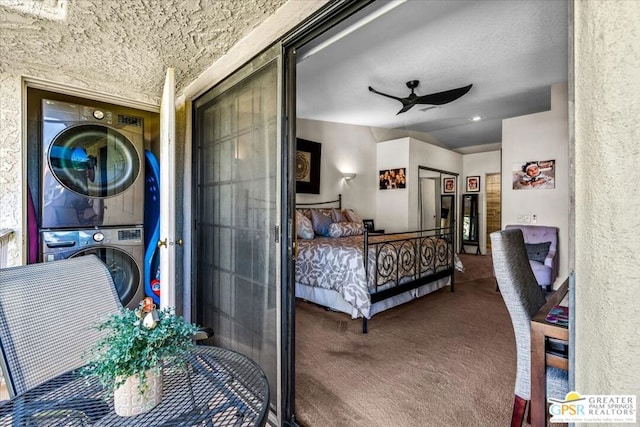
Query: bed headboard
(318, 204)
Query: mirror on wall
(436, 198)
(469, 222)
(447, 209)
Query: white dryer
(121, 249)
(92, 167)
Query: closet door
(236, 267)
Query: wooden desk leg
(538, 404)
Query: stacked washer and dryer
(92, 191)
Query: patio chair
(65, 299)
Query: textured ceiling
(122, 47)
(511, 51)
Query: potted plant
(128, 360)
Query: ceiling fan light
(476, 118)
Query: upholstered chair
(523, 298)
(541, 243)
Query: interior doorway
(494, 211)
(314, 65)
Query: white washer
(92, 167)
(121, 249)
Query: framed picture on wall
(308, 166)
(449, 185)
(473, 184)
(393, 178)
(534, 175)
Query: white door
(428, 201)
(167, 193)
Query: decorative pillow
(304, 227)
(352, 216)
(537, 251)
(321, 220)
(305, 211)
(338, 216)
(345, 229)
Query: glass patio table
(217, 388)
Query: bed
(399, 267)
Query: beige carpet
(444, 359)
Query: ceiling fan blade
(406, 103)
(407, 106)
(444, 97)
(384, 94)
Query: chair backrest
(48, 314)
(538, 234)
(522, 296)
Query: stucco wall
(11, 174)
(607, 196)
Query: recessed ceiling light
(476, 118)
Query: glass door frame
(326, 18)
(256, 64)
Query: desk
(540, 331)
(219, 387)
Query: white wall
(541, 136)
(350, 148)
(480, 164)
(397, 210)
(392, 212)
(607, 197)
(424, 154)
(345, 148)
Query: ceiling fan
(438, 98)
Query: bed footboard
(400, 262)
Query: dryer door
(124, 270)
(93, 160)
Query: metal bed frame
(428, 255)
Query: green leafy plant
(132, 346)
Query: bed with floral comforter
(399, 267)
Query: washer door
(93, 160)
(124, 270)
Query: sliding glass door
(236, 269)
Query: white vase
(129, 401)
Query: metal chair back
(48, 314)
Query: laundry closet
(92, 179)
